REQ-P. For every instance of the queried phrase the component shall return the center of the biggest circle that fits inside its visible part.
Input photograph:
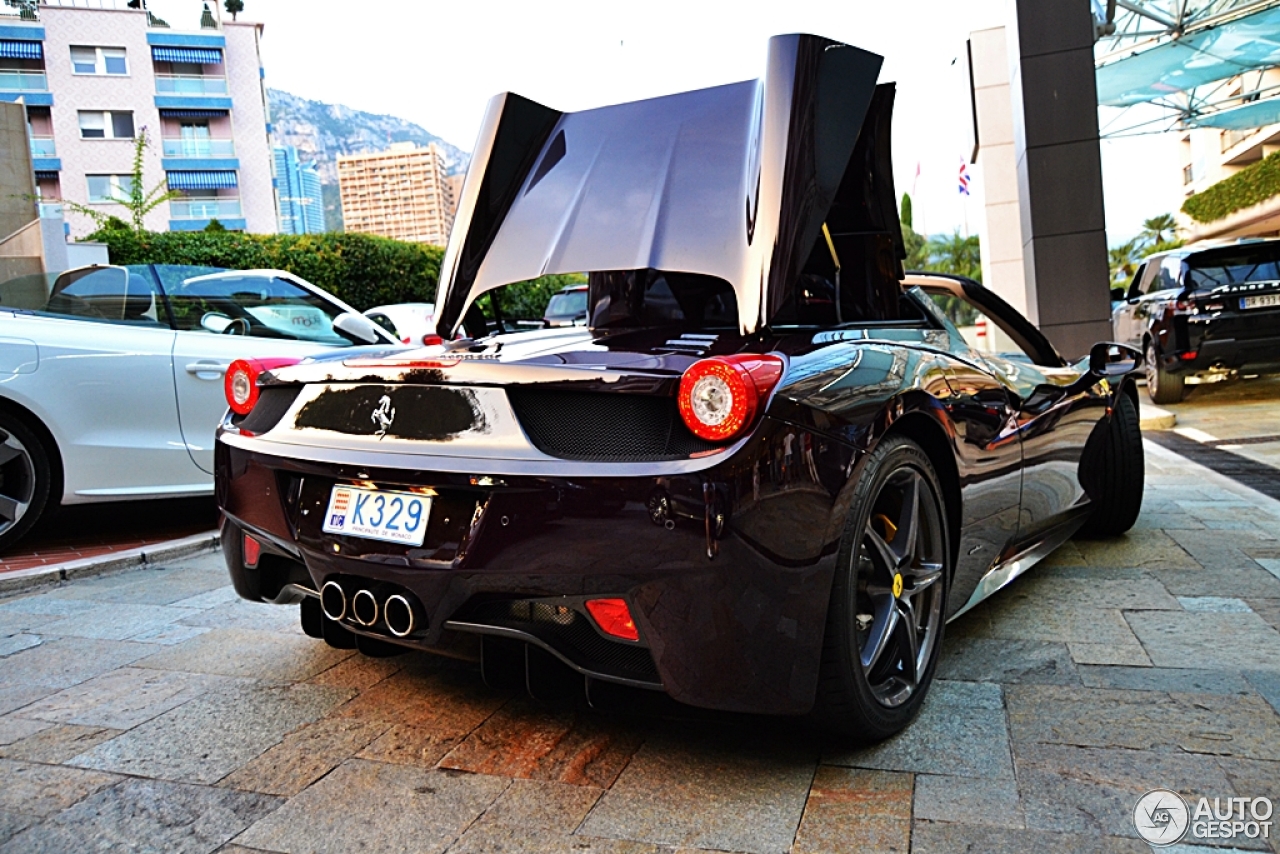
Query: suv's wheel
(26, 479)
(888, 602)
(1162, 386)
(1112, 468)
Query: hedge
(358, 268)
(1248, 187)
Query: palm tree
(1153, 230)
(1124, 259)
(959, 256)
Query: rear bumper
(739, 631)
(1241, 343)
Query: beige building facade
(402, 193)
(1209, 155)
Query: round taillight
(241, 382)
(719, 397)
(431, 339)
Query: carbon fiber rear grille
(604, 426)
(273, 403)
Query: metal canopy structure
(1180, 55)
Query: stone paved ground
(154, 711)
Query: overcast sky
(438, 64)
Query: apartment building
(402, 192)
(1210, 154)
(298, 192)
(93, 73)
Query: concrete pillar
(1059, 170)
(1002, 269)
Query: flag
(964, 178)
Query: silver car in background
(111, 378)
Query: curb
(39, 576)
(1154, 418)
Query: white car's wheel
(25, 479)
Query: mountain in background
(323, 131)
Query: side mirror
(1109, 359)
(357, 327)
(1118, 294)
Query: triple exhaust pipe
(400, 612)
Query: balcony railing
(190, 84)
(204, 209)
(24, 81)
(1231, 138)
(50, 210)
(182, 14)
(42, 146)
(199, 148)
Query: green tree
(959, 256)
(905, 213)
(1124, 260)
(138, 202)
(215, 225)
(235, 7)
(1154, 229)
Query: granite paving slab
(930, 837)
(431, 710)
(710, 789)
(17, 643)
(1221, 549)
(123, 698)
(16, 622)
(14, 728)
(1141, 593)
(1117, 654)
(523, 739)
(534, 816)
(304, 756)
(241, 614)
(1140, 548)
(1243, 582)
(969, 659)
(115, 621)
(146, 816)
(1025, 618)
(207, 738)
(954, 713)
(169, 635)
(1208, 640)
(1230, 725)
(1178, 679)
(991, 802)
(35, 673)
(1267, 609)
(149, 585)
(223, 595)
(41, 790)
(854, 809)
(359, 672)
(1092, 791)
(420, 810)
(1266, 683)
(44, 605)
(249, 653)
(58, 743)
(13, 823)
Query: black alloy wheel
(888, 602)
(25, 479)
(1162, 386)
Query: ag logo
(1161, 817)
(383, 416)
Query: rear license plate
(1264, 301)
(378, 514)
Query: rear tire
(888, 601)
(26, 480)
(1162, 386)
(1113, 471)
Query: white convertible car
(111, 378)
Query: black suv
(1204, 313)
